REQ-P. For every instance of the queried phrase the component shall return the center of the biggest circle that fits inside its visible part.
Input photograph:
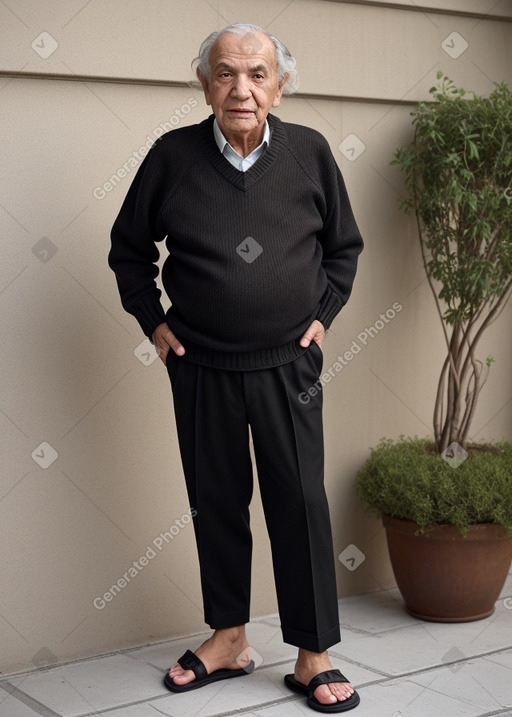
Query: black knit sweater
(254, 257)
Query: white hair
(285, 62)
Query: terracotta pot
(447, 578)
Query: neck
(246, 142)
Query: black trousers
(214, 409)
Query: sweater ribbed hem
(246, 360)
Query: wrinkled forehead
(248, 49)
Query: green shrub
(408, 479)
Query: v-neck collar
(242, 180)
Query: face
(243, 84)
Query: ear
(204, 83)
(279, 93)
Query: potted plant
(447, 503)
(448, 523)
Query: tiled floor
(402, 667)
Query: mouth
(240, 112)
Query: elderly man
(263, 251)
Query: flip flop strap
(189, 661)
(325, 678)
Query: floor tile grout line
(268, 621)
(460, 699)
(291, 698)
(262, 705)
(259, 706)
(379, 673)
(398, 628)
(338, 654)
(374, 633)
(48, 712)
(442, 665)
(28, 701)
(45, 668)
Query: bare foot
(227, 648)
(308, 665)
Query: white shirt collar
(241, 163)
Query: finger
(310, 335)
(173, 343)
(175, 346)
(306, 339)
(162, 350)
(165, 341)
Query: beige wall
(70, 373)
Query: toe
(345, 687)
(324, 695)
(334, 692)
(181, 676)
(342, 690)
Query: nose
(241, 89)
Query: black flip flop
(189, 661)
(324, 678)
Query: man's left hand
(315, 332)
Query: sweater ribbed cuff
(330, 305)
(149, 312)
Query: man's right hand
(165, 341)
